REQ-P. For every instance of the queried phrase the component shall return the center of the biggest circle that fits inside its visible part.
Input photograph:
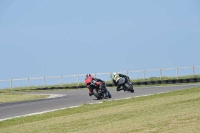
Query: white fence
(143, 73)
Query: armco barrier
(157, 82)
(164, 82)
(198, 80)
(192, 80)
(177, 81)
(185, 80)
(136, 83)
(150, 82)
(170, 81)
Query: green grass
(173, 112)
(16, 97)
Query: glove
(98, 83)
(93, 84)
(88, 86)
(90, 94)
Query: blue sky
(50, 38)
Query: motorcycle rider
(97, 82)
(116, 77)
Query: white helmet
(114, 73)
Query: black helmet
(88, 75)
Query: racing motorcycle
(126, 84)
(99, 93)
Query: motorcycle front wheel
(96, 94)
(129, 87)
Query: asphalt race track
(70, 98)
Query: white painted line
(95, 103)
(197, 84)
(165, 85)
(153, 94)
(39, 113)
(55, 95)
(52, 95)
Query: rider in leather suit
(116, 77)
(99, 83)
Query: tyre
(96, 94)
(110, 85)
(157, 82)
(192, 80)
(72, 87)
(185, 80)
(143, 83)
(136, 83)
(53, 87)
(82, 86)
(171, 81)
(198, 79)
(178, 81)
(150, 82)
(109, 95)
(129, 87)
(164, 82)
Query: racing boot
(106, 96)
(90, 94)
(118, 89)
(109, 95)
(125, 89)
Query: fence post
(111, 77)
(11, 84)
(177, 72)
(61, 81)
(28, 83)
(77, 79)
(95, 75)
(160, 74)
(126, 73)
(44, 82)
(144, 74)
(193, 72)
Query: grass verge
(16, 97)
(176, 111)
